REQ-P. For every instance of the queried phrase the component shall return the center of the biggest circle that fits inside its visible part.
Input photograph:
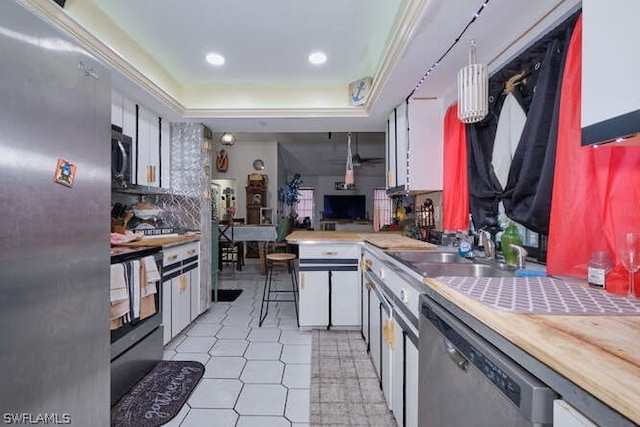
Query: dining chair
(228, 249)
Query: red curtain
(596, 191)
(455, 193)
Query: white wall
(241, 156)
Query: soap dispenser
(510, 236)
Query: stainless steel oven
(136, 345)
(121, 158)
(466, 381)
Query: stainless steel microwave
(121, 158)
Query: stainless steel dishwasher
(466, 381)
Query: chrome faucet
(522, 254)
(488, 245)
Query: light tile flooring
(262, 376)
(254, 376)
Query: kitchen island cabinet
(329, 285)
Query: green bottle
(510, 236)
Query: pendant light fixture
(473, 90)
(348, 176)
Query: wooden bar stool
(279, 258)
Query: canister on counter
(598, 268)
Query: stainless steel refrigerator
(55, 106)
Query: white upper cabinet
(610, 64)
(426, 142)
(151, 137)
(117, 113)
(396, 145)
(165, 153)
(414, 145)
(148, 148)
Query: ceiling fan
(359, 161)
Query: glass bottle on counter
(598, 268)
(510, 236)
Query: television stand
(346, 225)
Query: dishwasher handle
(457, 357)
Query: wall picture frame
(266, 216)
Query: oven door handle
(457, 357)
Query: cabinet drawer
(173, 257)
(179, 253)
(334, 251)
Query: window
(382, 207)
(306, 205)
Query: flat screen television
(344, 207)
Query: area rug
(227, 295)
(159, 396)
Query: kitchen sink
(444, 263)
(470, 269)
(411, 257)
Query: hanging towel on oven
(118, 283)
(133, 279)
(119, 290)
(151, 277)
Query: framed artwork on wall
(266, 216)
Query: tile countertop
(600, 354)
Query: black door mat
(159, 396)
(227, 295)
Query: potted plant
(292, 195)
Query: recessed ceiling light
(317, 58)
(215, 59)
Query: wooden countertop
(384, 240)
(162, 241)
(600, 354)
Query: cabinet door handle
(172, 257)
(182, 283)
(191, 251)
(329, 253)
(301, 280)
(392, 335)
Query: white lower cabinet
(180, 288)
(314, 299)
(329, 282)
(365, 291)
(345, 288)
(390, 328)
(404, 372)
(166, 311)
(375, 330)
(180, 302)
(194, 280)
(411, 387)
(565, 415)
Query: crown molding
(280, 113)
(401, 37)
(62, 21)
